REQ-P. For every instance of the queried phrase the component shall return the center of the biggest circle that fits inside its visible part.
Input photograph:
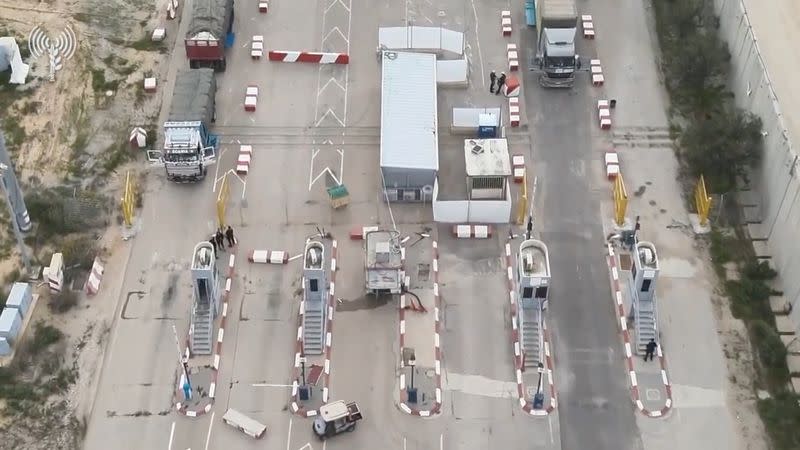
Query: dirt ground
(75, 132)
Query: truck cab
(556, 23)
(189, 148)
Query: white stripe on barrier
(299, 332)
(640, 405)
(634, 380)
(313, 412)
(436, 265)
(332, 289)
(403, 301)
(516, 348)
(655, 413)
(618, 295)
(438, 395)
(333, 265)
(216, 361)
(436, 340)
(228, 285)
(220, 334)
(664, 377)
(435, 289)
(424, 413)
(482, 232)
(402, 381)
(437, 367)
(191, 413)
(436, 314)
(327, 367)
(291, 56)
(405, 408)
(522, 402)
(294, 388)
(297, 359)
(212, 389)
(668, 404)
(614, 274)
(510, 274)
(325, 395)
(519, 376)
(403, 326)
(463, 231)
(277, 257)
(328, 338)
(225, 309)
(230, 261)
(628, 349)
(623, 323)
(295, 407)
(328, 58)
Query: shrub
(63, 301)
(770, 348)
(43, 337)
(758, 270)
(781, 416)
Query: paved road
(595, 406)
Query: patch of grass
(100, 83)
(147, 44)
(43, 337)
(781, 417)
(63, 301)
(115, 156)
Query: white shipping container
(20, 298)
(10, 323)
(5, 347)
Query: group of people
(498, 81)
(218, 239)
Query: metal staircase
(530, 327)
(202, 329)
(645, 322)
(313, 328)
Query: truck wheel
(351, 428)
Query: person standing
(220, 239)
(650, 349)
(229, 236)
(493, 79)
(500, 82)
(213, 242)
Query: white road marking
(171, 436)
(208, 436)
(441, 441)
(289, 435)
(478, 42)
(404, 439)
(550, 425)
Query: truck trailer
(557, 23)
(189, 146)
(210, 33)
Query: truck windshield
(560, 61)
(181, 157)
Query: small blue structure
(20, 298)
(10, 324)
(5, 347)
(530, 13)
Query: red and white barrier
(505, 22)
(359, 233)
(513, 57)
(244, 159)
(309, 57)
(604, 114)
(150, 84)
(588, 27)
(518, 167)
(172, 11)
(268, 257)
(472, 231)
(263, 6)
(257, 47)
(611, 160)
(95, 276)
(512, 86)
(597, 73)
(513, 111)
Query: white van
(244, 424)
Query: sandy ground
(67, 107)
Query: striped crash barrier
(268, 257)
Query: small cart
(339, 196)
(336, 417)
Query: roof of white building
(409, 120)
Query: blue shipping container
(10, 324)
(5, 347)
(20, 298)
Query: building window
(527, 292)
(646, 285)
(314, 285)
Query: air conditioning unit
(410, 195)
(527, 262)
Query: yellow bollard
(522, 204)
(128, 199)
(702, 201)
(222, 199)
(620, 200)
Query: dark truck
(556, 23)
(189, 146)
(210, 33)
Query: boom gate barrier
(620, 200)
(702, 201)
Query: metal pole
(17, 232)
(412, 376)
(303, 364)
(183, 362)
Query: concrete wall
(470, 211)
(773, 207)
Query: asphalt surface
(595, 409)
(282, 201)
